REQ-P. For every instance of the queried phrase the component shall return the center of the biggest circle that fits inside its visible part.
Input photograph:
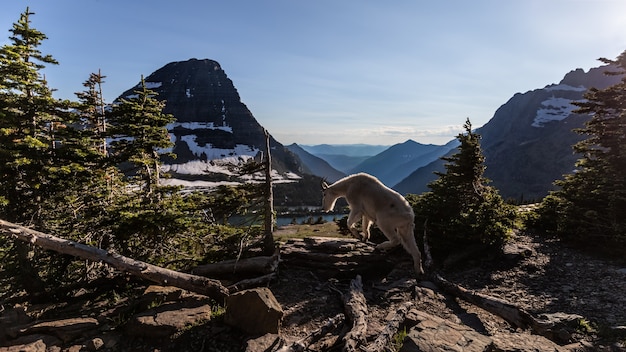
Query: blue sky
(336, 71)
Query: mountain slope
(317, 166)
(214, 131)
(211, 121)
(344, 157)
(396, 163)
(528, 142)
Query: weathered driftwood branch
(394, 320)
(513, 314)
(303, 343)
(250, 283)
(256, 265)
(198, 284)
(356, 310)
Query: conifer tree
(462, 209)
(29, 120)
(32, 166)
(590, 205)
(137, 127)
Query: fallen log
(166, 277)
(256, 265)
(394, 320)
(356, 310)
(513, 314)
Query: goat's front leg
(365, 226)
(353, 217)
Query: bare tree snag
(394, 320)
(268, 222)
(197, 284)
(428, 258)
(356, 310)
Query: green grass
(328, 229)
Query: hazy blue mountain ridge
(316, 165)
(398, 161)
(528, 142)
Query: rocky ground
(540, 275)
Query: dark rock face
(528, 142)
(211, 121)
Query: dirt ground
(548, 277)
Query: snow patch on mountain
(199, 126)
(554, 109)
(153, 85)
(554, 87)
(208, 152)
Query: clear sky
(336, 71)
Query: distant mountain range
(344, 157)
(527, 143)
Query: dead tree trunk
(198, 284)
(356, 310)
(268, 242)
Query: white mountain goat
(372, 202)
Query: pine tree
(462, 209)
(139, 135)
(591, 204)
(32, 169)
(29, 121)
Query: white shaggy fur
(372, 202)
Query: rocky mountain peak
(213, 126)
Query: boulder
(64, 329)
(255, 311)
(32, 343)
(267, 342)
(167, 319)
(517, 342)
(431, 333)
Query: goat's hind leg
(389, 231)
(407, 238)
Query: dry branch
(197, 284)
(513, 314)
(356, 310)
(250, 283)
